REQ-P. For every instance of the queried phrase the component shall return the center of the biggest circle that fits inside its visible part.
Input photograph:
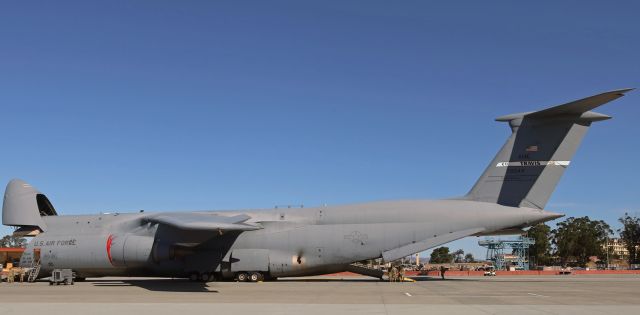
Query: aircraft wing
(203, 221)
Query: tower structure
(506, 253)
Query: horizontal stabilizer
(581, 107)
(202, 221)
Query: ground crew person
(11, 276)
(393, 274)
(442, 270)
(401, 274)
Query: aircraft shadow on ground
(328, 280)
(421, 279)
(417, 279)
(161, 285)
(183, 285)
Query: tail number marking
(533, 163)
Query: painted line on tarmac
(538, 295)
(408, 294)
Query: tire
(204, 277)
(242, 276)
(255, 276)
(193, 276)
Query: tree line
(441, 255)
(12, 241)
(571, 243)
(574, 240)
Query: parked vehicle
(64, 276)
(489, 272)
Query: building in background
(617, 248)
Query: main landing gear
(242, 276)
(253, 276)
(202, 277)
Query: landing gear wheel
(205, 277)
(212, 277)
(242, 276)
(255, 277)
(193, 276)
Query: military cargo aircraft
(254, 245)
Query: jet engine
(129, 250)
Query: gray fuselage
(291, 242)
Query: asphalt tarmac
(331, 295)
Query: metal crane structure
(519, 249)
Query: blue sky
(179, 105)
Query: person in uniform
(442, 271)
(11, 276)
(401, 274)
(393, 274)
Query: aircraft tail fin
(529, 165)
(24, 206)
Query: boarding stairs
(34, 270)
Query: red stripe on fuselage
(109, 242)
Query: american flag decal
(532, 148)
